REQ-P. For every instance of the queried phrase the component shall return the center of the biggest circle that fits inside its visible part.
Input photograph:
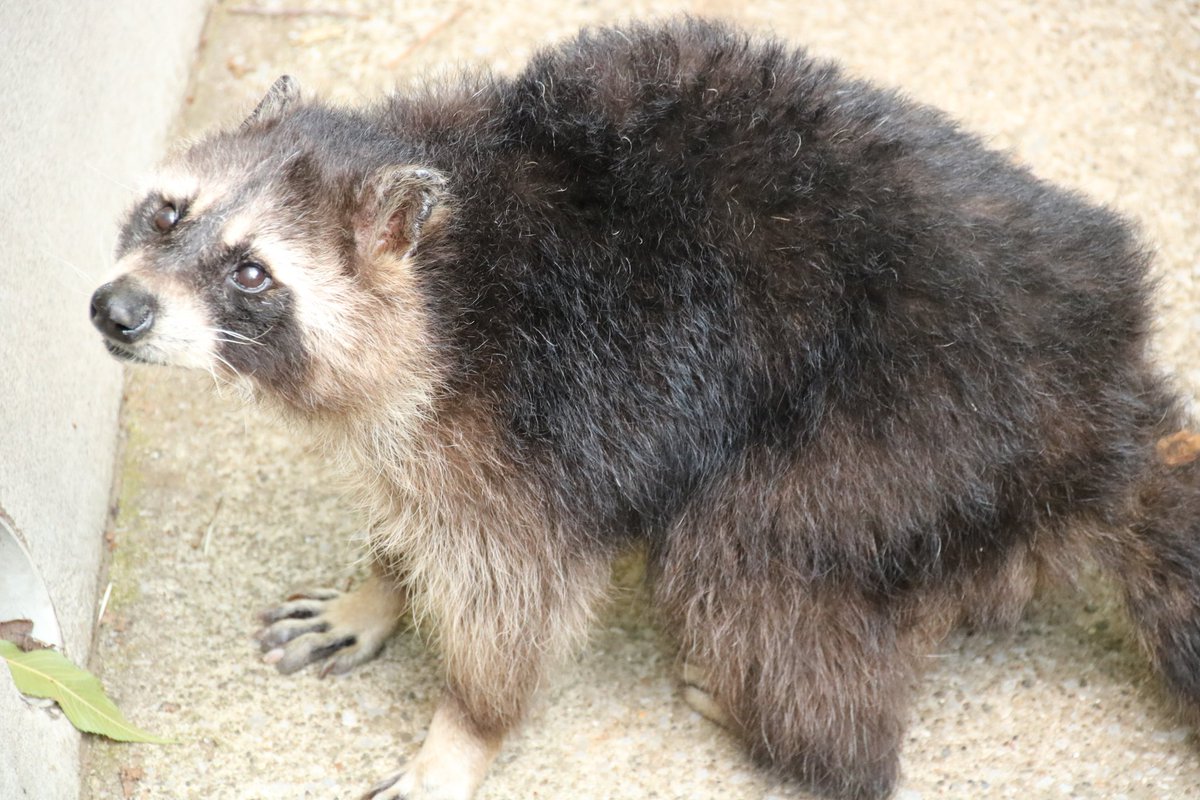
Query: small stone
(237, 66)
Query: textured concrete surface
(223, 510)
(88, 92)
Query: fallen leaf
(47, 673)
(238, 66)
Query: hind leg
(814, 675)
(816, 680)
(808, 656)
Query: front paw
(407, 784)
(393, 787)
(341, 629)
(450, 765)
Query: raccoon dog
(849, 377)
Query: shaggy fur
(851, 377)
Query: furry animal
(851, 378)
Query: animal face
(272, 255)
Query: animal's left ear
(283, 93)
(394, 207)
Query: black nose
(123, 311)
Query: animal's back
(677, 246)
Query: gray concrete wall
(87, 93)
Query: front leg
(344, 629)
(499, 634)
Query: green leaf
(47, 673)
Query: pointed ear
(394, 207)
(283, 93)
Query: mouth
(124, 354)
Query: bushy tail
(1156, 559)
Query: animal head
(281, 254)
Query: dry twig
(429, 34)
(259, 11)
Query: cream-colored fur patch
(178, 186)
(183, 334)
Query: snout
(123, 311)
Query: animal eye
(165, 218)
(250, 277)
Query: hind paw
(696, 694)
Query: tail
(1155, 557)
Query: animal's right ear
(283, 93)
(395, 207)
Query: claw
(286, 630)
(450, 765)
(382, 786)
(312, 647)
(304, 608)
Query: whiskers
(232, 372)
(86, 283)
(109, 178)
(229, 376)
(220, 334)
